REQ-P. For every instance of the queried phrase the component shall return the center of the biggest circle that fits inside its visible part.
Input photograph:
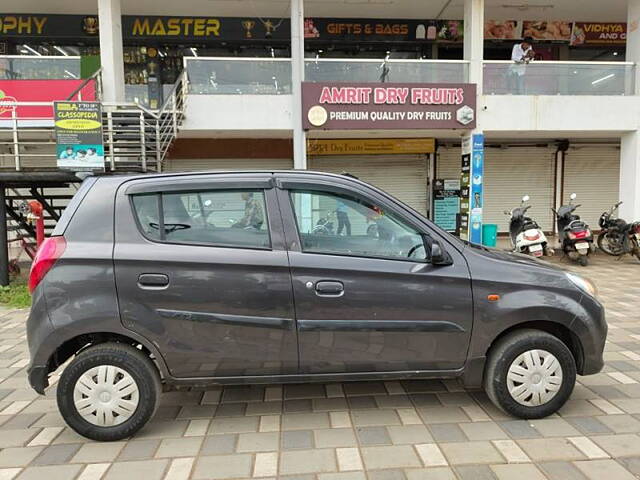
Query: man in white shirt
(521, 54)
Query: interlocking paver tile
(520, 471)
(219, 444)
(397, 456)
(471, 453)
(624, 445)
(179, 447)
(308, 461)
(437, 473)
(56, 454)
(258, 442)
(335, 437)
(370, 418)
(561, 471)
(138, 450)
(52, 472)
(297, 439)
(143, 469)
(547, 449)
(392, 474)
(223, 467)
(604, 469)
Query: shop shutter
(592, 172)
(403, 176)
(513, 172)
(509, 174)
(448, 162)
(202, 164)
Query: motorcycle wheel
(583, 260)
(605, 245)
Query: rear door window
(228, 218)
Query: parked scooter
(575, 236)
(618, 237)
(526, 235)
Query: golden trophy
(248, 26)
(90, 25)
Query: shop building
(566, 122)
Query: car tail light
(48, 253)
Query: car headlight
(583, 284)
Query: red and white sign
(38, 91)
(388, 106)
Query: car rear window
(228, 218)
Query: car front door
(367, 297)
(201, 270)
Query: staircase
(136, 139)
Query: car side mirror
(439, 255)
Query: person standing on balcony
(521, 55)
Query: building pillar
(630, 176)
(474, 40)
(4, 241)
(633, 40)
(111, 57)
(297, 77)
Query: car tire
(541, 391)
(109, 392)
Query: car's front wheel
(530, 374)
(108, 392)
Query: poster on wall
(78, 127)
(446, 203)
(549, 30)
(450, 31)
(585, 34)
(476, 189)
(503, 29)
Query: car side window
(344, 225)
(230, 218)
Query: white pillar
(474, 39)
(633, 38)
(630, 176)
(297, 77)
(111, 58)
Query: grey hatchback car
(160, 281)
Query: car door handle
(329, 288)
(153, 280)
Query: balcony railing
(21, 67)
(366, 70)
(238, 76)
(559, 78)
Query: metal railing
(238, 76)
(26, 67)
(367, 70)
(135, 138)
(558, 78)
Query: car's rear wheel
(108, 392)
(530, 374)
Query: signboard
(363, 106)
(371, 146)
(164, 28)
(36, 91)
(584, 33)
(465, 185)
(554, 30)
(78, 127)
(503, 29)
(476, 188)
(446, 203)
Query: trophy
(248, 26)
(90, 25)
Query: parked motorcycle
(325, 225)
(618, 237)
(575, 237)
(526, 235)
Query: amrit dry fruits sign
(363, 106)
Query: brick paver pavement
(376, 430)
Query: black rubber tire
(601, 242)
(506, 350)
(136, 363)
(583, 260)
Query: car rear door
(366, 298)
(201, 270)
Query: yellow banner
(372, 146)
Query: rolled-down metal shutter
(448, 162)
(592, 172)
(509, 174)
(513, 172)
(403, 176)
(195, 164)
